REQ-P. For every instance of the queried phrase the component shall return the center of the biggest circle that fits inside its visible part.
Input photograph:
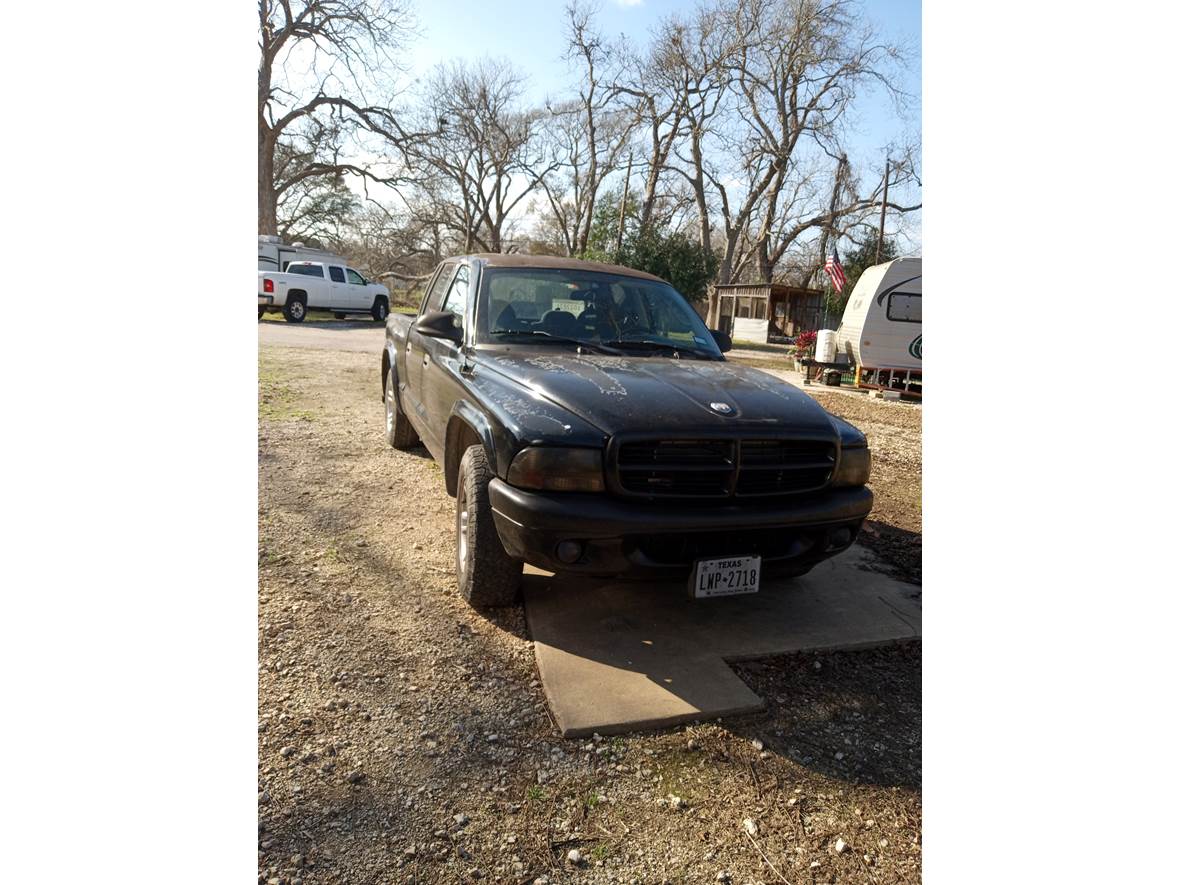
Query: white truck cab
(320, 285)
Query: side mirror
(724, 342)
(439, 324)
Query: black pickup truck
(587, 421)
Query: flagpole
(884, 200)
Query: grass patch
(276, 398)
(326, 316)
(535, 794)
(763, 346)
(757, 363)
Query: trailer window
(307, 270)
(904, 307)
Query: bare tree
(486, 157)
(589, 134)
(791, 69)
(316, 59)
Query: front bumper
(621, 537)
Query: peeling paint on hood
(625, 393)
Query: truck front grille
(722, 468)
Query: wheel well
(297, 293)
(384, 370)
(460, 436)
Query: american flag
(833, 269)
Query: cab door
(337, 288)
(442, 383)
(357, 290)
(413, 402)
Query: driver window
(456, 300)
(355, 278)
(434, 296)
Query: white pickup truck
(320, 285)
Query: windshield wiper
(662, 345)
(593, 345)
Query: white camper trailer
(274, 254)
(881, 330)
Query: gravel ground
(404, 738)
(894, 430)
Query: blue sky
(530, 33)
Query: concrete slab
(621, 656)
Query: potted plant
(804, 349)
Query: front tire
(380, 309)
(295, 310)
(398, 431)
(488, 576)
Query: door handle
(425, 360)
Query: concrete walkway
(617, 657)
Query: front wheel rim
(463, 520)
(389, 405)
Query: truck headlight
(557, 469)
(854, 469)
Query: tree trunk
(764, 268)
(724, 272)
(268, 222)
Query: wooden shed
(767, 311)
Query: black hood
(644, 394)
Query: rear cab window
(307, 270)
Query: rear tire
(380, 309)
(488, 576)
(398, 431)
(295, 310)
(340, 316)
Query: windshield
(564, 305)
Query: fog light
(569, 552)
(840, 538)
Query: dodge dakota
(587, 421)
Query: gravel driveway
(404, 738)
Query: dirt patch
(894, 431)
(404, 738)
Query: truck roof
(498, 259)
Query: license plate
(726, 577)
